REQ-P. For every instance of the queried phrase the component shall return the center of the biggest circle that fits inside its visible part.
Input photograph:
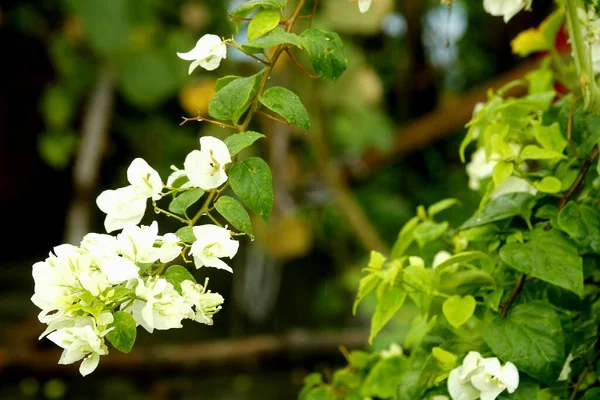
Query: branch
(513, 296)
(445, 119)
(262, 349)
(87, 165)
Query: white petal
(217, 147)
(89, 364)
(460, 390)
(214, 262)
(112, 224)
(198, 168)
(510, 377)
(194, 65)
(143, 177)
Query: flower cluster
(80, 289)
(482, 378)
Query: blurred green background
(88, 85)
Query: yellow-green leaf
(458, 310)
(262, 23)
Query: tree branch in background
(89, 156)
(445, 119)
(295, 345)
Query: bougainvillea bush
(508, 302)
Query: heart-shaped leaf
(458, 310)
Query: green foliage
(532, 338)
(549, 256)
(239, 141)
(252, 182)
(287, 104)
(262, 23)
(230, 102)
(326, 53)
(176, 274)
(123, 333)
(185, 200)
(235, 213)
(274, 38)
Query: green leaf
(531, 337)
(235, 213)
(287, 104)
(326, 52)
(549, 184)
(384, 377)
(186, 234)
(56, 147)
(463, 258)
(176, 274)
(405, 238)
(390, 299)
(224, 81)
(466, 281)
(440, 206)
(365, 286)
(321, 393)
(503, 207)
(551, 138)
(239, 141)
(582, 223)
(533, 152)
(429, 231)
(548, 256)
(252, 182)
(262, 23)
(502, 171)
(458, 310)
(359, 359)
(276, 37)
(229, 103)
(248, 6)
(124, 332)
(183, 201)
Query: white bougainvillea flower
(479, 168)
(83, 341)
(482, 378)
(144, 178)
(158, 306)
(105, 253)
(136, 243)
(205, 168)
(123, 207)
(459, 380)
(495, 378)
(506, 8)
(212, 243)
(205, 304)
(170, 248)
(208, 53)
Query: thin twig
(312, 14)
(578, 183)
(235, 46)
(513, 296)
(289, 53)
(570, 130)
(200, 118)
(272, 117)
